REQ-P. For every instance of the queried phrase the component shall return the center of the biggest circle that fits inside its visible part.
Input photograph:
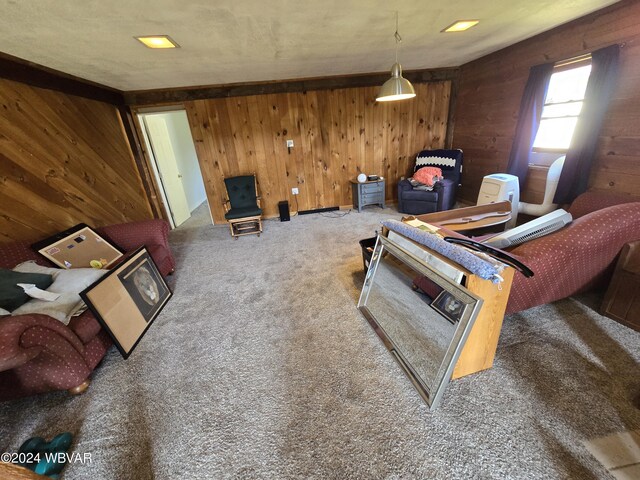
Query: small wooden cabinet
(622, 300)
(368, 193)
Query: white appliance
(539, 227)
(499, 187)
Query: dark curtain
(528, 119)
(577, 165)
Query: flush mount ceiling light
(397, 87)
(460, 26)
(157, 41)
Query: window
(562, 106)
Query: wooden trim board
(184, 94)
(30, 73)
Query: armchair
(443, 195)
(243, 206)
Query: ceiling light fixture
(460, 26)
(397, 87)
(157, 41)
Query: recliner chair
(443, 195)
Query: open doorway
(175, 164)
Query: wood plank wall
(491, 88)
(63, 160)
(337, 134)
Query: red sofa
(40, 354)
(579, 257)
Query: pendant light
(397, 87)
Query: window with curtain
(562, 106)
(562, 110)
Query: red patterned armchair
(579, 257)
(40, 354)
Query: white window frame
(561, 67)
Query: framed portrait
(79, 247)
(127, 300)
(449, 306)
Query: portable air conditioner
(499, 187)
(539, 227)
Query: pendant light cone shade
(396, 88)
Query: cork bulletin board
(79, 247)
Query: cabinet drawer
(368, 198)
(372, 187)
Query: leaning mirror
(422, 317)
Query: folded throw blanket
(468, 260)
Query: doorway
(175, 164)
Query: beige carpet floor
(261, 366)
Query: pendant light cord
(397, 37)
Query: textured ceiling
(251, 40)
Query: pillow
(428, 175)
(11, 295)
(4, 312)
(68, 283)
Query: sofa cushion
(68, 283)
(242, 212)
(420, 196)
(11, 295)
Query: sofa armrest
(593, 200)
(446, 190)
(132, 235)
(15, 351)
(403, 186)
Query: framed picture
(449, 306)
(127, 300)
(78, 247)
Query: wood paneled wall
(63, 160)
(490, 90)
(337, 134)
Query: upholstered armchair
(443, 195)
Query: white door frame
(154, 167)
(140, 113)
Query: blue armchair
(443, 195)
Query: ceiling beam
(19, 70)
(178, 95)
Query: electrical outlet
(289, 143)
(295, 191)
